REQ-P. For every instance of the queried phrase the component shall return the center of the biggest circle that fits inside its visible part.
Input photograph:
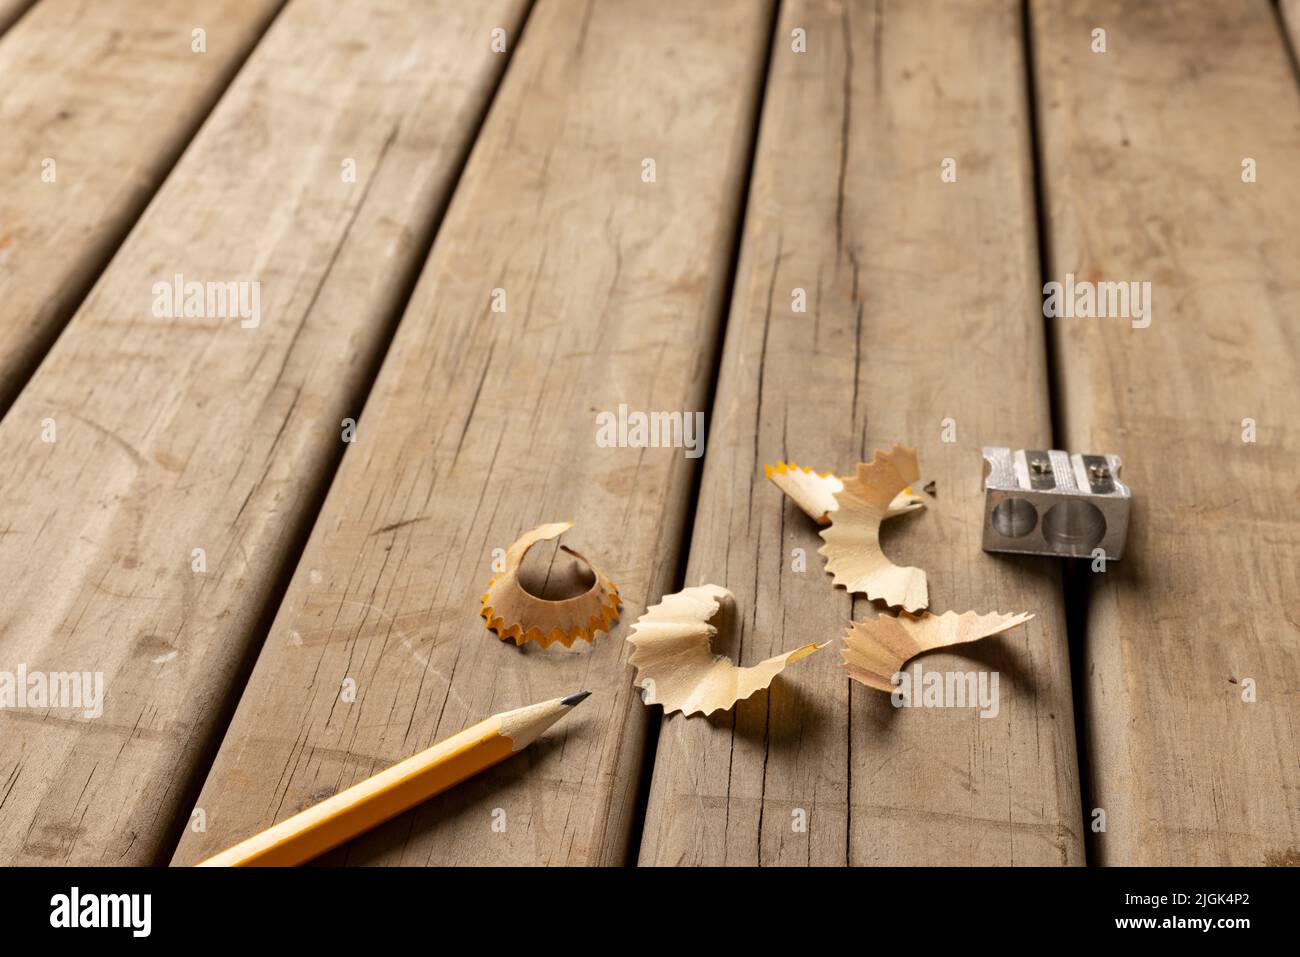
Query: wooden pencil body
(371, 802)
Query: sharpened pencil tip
(573, 699)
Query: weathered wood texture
(482, 425)
(110, 92)
(922, 305)
(182, 433)
(1142, 150)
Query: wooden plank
(482, 426)
(922, 305)
(182, 433)
(112, 105)
(1143, 149)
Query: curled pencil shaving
(676, 666)
(814, 492)
(516, 614)
(852, 548)
(876, 650)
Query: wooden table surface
(826, 226)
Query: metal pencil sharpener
(1054, 503)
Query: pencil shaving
(516, 614)
(874, 651)
(676, 666)
(814, 492)
(852, 549)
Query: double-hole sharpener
(1054, 503)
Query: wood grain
(111, 92)
(1143, 149)
(922, 305)
(182, 433)
(482, 425)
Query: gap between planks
(477, 428)
(184, 432)
(57, 237)
(908, 280)
(1143, 150)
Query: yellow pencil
(390, 792)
